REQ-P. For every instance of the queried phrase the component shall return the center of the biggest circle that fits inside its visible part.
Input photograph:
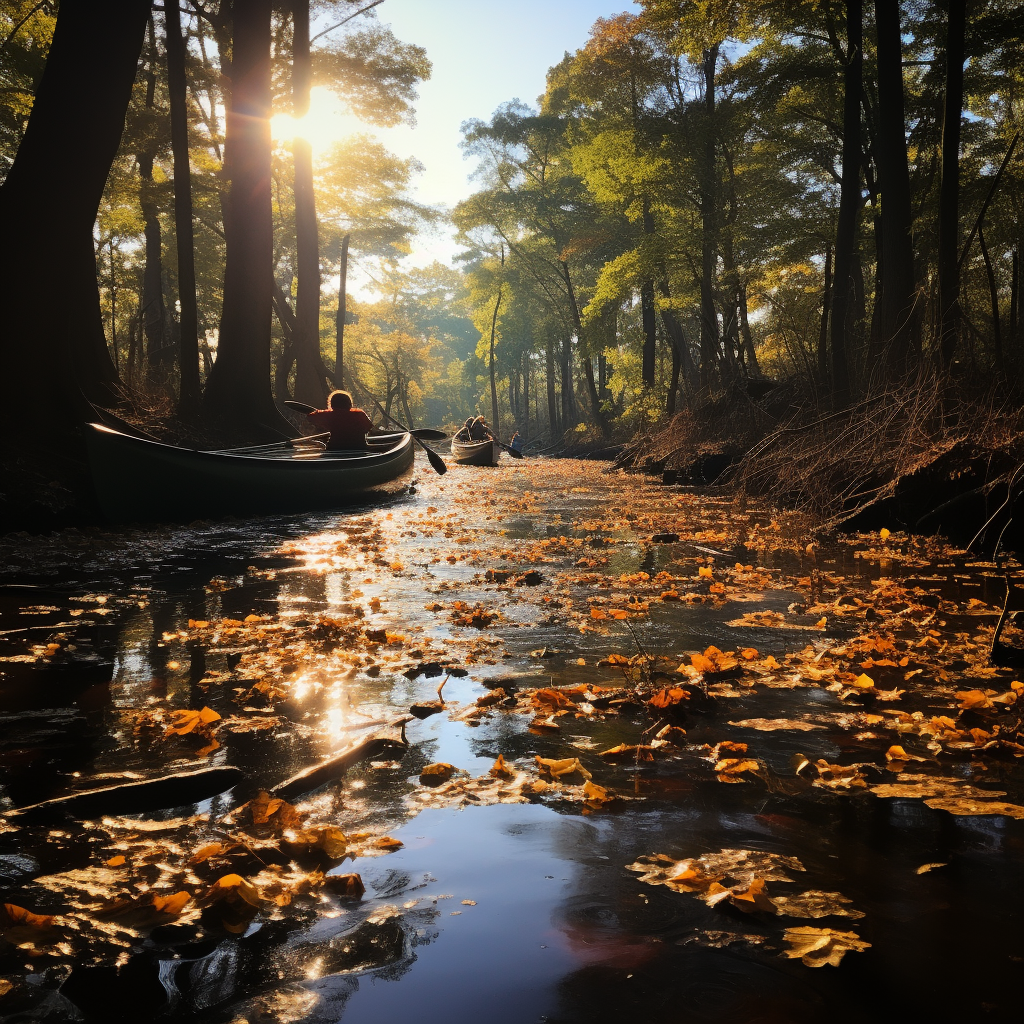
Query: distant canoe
(136, 479)
(475, 453)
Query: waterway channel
(522, 895)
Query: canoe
(137, 479)
(475, 453)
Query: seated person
(348, 426)
(464, 432)
(479, 431)
(516, 444)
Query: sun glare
(324, 124)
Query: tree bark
(310, 386)
(339, 345)
(897, 321)
(56, 350)
(238, 389)
(849, 202)
(648, 317)
(949, 183)
(189, 393)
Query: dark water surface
(554, 928)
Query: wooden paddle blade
(300, 406)
(515, 454)
(429, 434)
(435, 460)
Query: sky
(484, 53)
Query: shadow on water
(506, 913)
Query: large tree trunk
(897, 320)
(154, 311)
(949, 185)
(310, 385)
(238, 390)
(53, 346)
(709, 230)
(849, 203)
(189, 393)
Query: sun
(325, 123)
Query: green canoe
(136, 479)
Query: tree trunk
(494, 382)
(189, 394)
(826, 305)
(526, 392)
(709, 227)
(647, 315)
(238, 390)
(993, 293)
(310, 386)
(949, 183)
(898, 321)
(1014, 298)
(588, 367)
(154, 312)
(849, 203)
(339, 345)
(568, 394)
(549, 352)
(55, 351)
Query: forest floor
(643, 750)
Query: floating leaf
(964, 805)
(815, 903)
(775, 724)
(816, 947)
(435, 774)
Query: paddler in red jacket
(348, 426)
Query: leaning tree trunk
(849, 204)
(494, 381)
(897, 317)
(310, 384)
(189, 393)
(588, 366)
(238, 390)
(949, 184)
(53, 347)
(339, 344)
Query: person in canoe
(480, 431)
(463, 433)
(348, 426)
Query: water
(352, 610)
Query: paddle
(421, 433)
(512, 451)
(435, 460)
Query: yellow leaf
(115, 862)
(884, 534)
(435, 774)
(705, 571)
(864, 682)
(171, 904)
(501, 770)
